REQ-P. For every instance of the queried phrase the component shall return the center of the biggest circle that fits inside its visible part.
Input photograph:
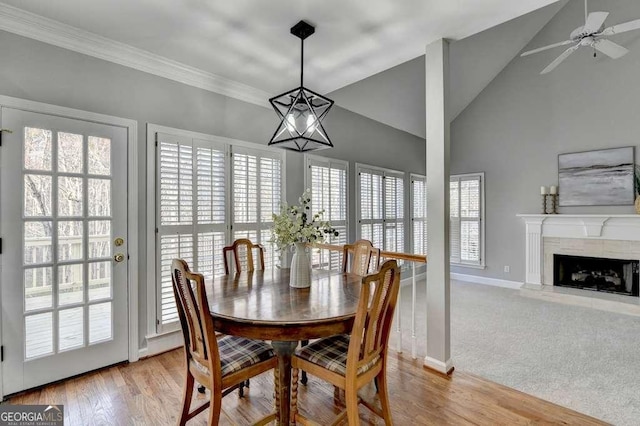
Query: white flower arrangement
(295, 224)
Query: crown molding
(37, 27)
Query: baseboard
(159, 343)
(437, 365)
(486, 281)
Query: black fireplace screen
(597, 274)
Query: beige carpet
(580, 358)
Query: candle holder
(544, 203)
(554, 203)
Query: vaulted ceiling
(248, 41)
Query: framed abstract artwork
(597, 178)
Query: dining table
(262, 305)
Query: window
(257, 194)
(380, 193)
(466, 215)
(419, 214)
(195, 218)
(327, 179)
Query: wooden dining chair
(242, 251)
(360, 258)
(349, 362)
(218, 363)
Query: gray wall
(515, 129)
(40, 72)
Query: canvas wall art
(597, 178)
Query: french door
(63, 222)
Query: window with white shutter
(380, 194)
(191, 185)
(256, 180)
(466, 216)
(206, 198)
(419, 214)
(328, 181)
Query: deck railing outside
(322, 254)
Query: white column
(438, 286)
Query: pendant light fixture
(301, 110)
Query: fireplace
(597, 274)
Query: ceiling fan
(591, 34)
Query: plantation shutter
(257, 194)
(371, 215)
(191, 213)
(327, 180)
(419, 214)
(465, 219)
(394, 212)
(381, 215)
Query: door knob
(119, 257)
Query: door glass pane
(70, 152)
(39, 335)
(70, 328)
(99, 197)
(37, 195)
(38, 285)
(100, 322)
(70, 196)
(99, 156)
(37, 149)
(99, 238)
(70, 246)
(100, 280)
(70, 279)
(37, 242)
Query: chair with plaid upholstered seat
(218, 363)
(351, 362)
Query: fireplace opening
(597, 274)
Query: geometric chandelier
(301, 110)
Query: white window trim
(152, 129)
(385, 171)
(482, 264)
(132, 199)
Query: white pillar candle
(543, 190)
(554, 190)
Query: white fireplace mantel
(617, 227)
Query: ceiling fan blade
(560, 58)
(551, 46)
(622, 28)
(594, 22)
(610, 48)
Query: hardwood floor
(149, 393)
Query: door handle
(119, 257)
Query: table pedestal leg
(284, 351)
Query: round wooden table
(262, 305)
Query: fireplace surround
(606, 236)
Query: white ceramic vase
(300, 274)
